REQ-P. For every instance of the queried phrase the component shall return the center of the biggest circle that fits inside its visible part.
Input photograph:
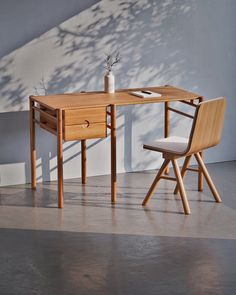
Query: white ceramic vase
(109, 83)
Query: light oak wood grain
(113, 153)
(79, 116)
(200, 174)
(60, 160)
(85, 131)
(84, 117)
(155, 182)
(208, 178)
(205, 133)
(181, 187)
(83, 161)
(122, 97)
(32, 144)
(207, 125)
(183, 171)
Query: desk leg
(166, 126)
(32, 146)
(60, 159)
(200, 173)
(83, 161)
(113, 153)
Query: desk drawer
(85, 123)
(81, 116)
(85, 131)
(77, 123)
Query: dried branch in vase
(111, 60)
(42, 88)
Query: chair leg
(181, 187)
(208, 178)
(183, 171)
(155, 182)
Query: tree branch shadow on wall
(150, 44)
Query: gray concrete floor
(92, 247)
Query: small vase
(109, 83)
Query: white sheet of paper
(145, 95)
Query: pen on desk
(146, 92)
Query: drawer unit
(84, 123)
(77, 123)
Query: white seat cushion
(172, 144)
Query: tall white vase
(109, 83)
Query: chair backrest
(207, 125)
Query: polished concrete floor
(92, 247)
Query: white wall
(187, 43)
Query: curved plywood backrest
(207, 125)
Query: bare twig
(111, 60)
(42, 86)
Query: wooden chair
(205, 133)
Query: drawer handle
(86, 125)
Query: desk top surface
(119, 98)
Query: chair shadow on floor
(46, 197)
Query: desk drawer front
(85, 131)
(85, 123)
(82, 116)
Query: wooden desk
(82, 116)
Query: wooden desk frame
(37, 105)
